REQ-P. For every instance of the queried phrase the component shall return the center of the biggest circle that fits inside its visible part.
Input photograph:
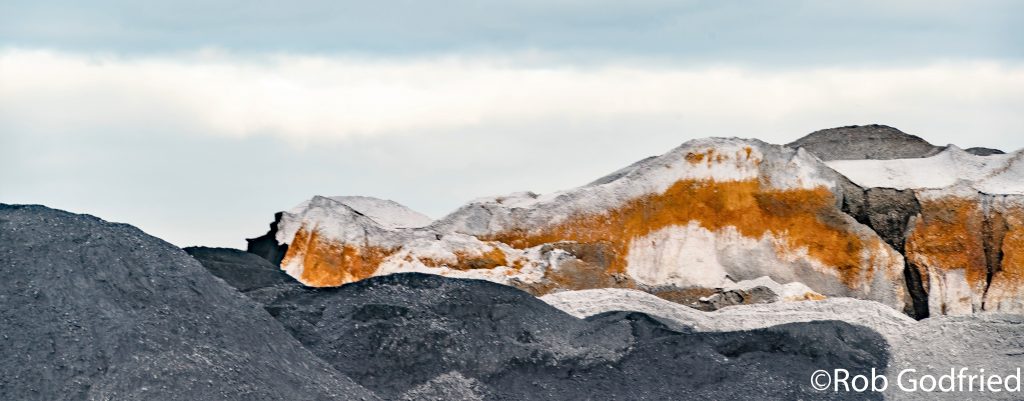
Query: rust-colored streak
(800, 217)
(1012, 247)
(1008, 280)
(586, 268)
(948, 237)
(467, 261)
(330, 264)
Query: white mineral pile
(702, 217)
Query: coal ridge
(98, 310)
(243, 270)
(401, 333)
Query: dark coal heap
(407, 334)
(97, 310)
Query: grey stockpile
(859, 142)
(980, 151)
(417, 336)
(856, 142)
(97, 310)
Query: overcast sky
(197, 120)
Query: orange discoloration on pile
(948, 237)
(712, 156)
(1009, 278)
(585, 267)
(797, 216)
(986, 243)
(329, 264)
(796, 219)
(466, 260)
(1012, 247)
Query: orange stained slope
(1012, 267)
(947, 237)
(467, 260)
(329, 264)
(1008, 277)
(800, 217)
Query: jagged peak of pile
(386, 212)
(352, 218)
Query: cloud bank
(314, 98)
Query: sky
(197, 120)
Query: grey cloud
(775, 33)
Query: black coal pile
(96, 310)
(242, 270)
(417, 336)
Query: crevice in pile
(888, 212)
